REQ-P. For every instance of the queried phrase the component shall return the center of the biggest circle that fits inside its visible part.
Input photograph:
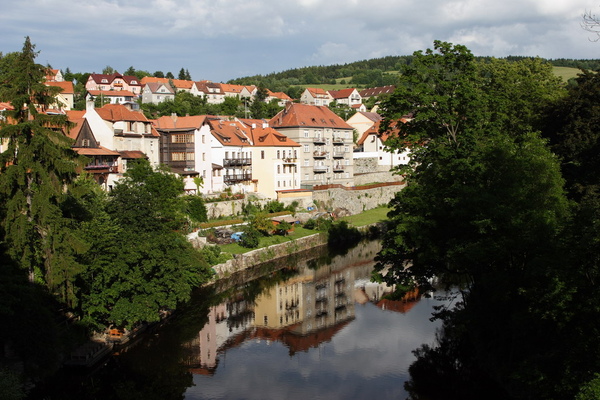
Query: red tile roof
(269, 137)
(118, 112)
(230, 133)
(111, 93)
(169, 123)
(341, 94)
(296, 115)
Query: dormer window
(134, 82)
(104, 80)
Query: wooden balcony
(237, 178)
(320, 154)
(236, 162)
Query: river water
(311, 326)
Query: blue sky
(220, 40)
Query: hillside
(371, 73)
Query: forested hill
(367, 73)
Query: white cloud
(205, 33)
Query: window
(278, 154)
(262, 154)
(306, 133)
(178, 156)
(306, 163)
(306, 148)
(203, 156)
(182, 138)
(85, 143)
(203, 138)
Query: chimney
(174, 118)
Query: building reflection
(301, 312)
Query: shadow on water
(298, 304)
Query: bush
(282, 228)
(342, 234)
(251, 237)
(196, 209)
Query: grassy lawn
(368, 217)
(566, 73)
(365, 218)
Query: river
(311, 326)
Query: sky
(219, 40)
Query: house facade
(315, 97)
(326, 141)
(275, 165)
(114, 82)
(372, 145)
(231, 150)
(66, 98)
(157, 92)
(349, 97)
(185, 146)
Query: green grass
(566, 73)
(365, 218)
(368, 217)
(297, 233)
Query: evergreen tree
(35, 171)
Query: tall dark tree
(484, 208)
(35, 170)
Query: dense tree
(484, 207)
(35, 168)
(138, 265)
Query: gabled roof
(178, 83)
(374, 130)
(230, 133)
(373, 116)
(279, 95)
(342, 94)
(132, 154)
(300, 115)
(377, 91)
(66, 86)
(109, 78)
(96, 151)
(269, 137)
(118, 112)
(167, 123)
(317, 92)
(154, 86)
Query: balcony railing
(319, 139)
(236, 178)
(338, 140)
(289, 160)
(338, 167)
(320, 154)
(339, 154)
(107, 167)
(236, 162)
(319, 169)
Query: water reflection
(313, 326)
(326, 332)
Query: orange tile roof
(341, 94)
(279, 95)
(74, 131)
(178, 83)
(95, 151)
(66, 86)
(317, 91)
(167, 122)
(296, 115)
(230, 133)
(269, 137)
(118, 112)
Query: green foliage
(484, 206)
(341, 234)
(10, 385)
(213, 255)
(196, 209)
(251, 237)
(282, 228)
(591, 390)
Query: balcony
(320, 169)
(101, 168)
(319, 140)
(338, 140)
(320, 154)
(236, 178)
(289, 160)
(339, 154)
(339, 168)
(236, 162)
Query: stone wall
(356, 200)
(246, 260)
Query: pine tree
(36, 168)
